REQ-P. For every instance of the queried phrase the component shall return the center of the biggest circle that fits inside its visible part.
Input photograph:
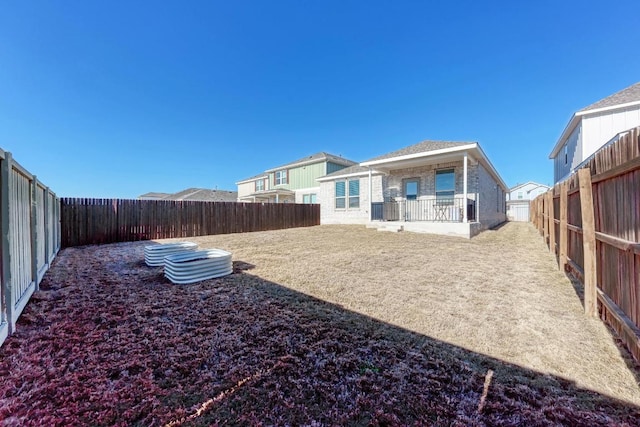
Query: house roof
(420, 147)
(153, 195)
(205, 195)
(354, 170)
(527, 183)
(315, 158)
(627, 97)
(427, 151)
(196, 194)
(253, 178)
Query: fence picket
(599, 234)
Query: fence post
(588, 243)
(34, 229)
(47, 231)
(563, 225)
(7, 303)
(552, 222)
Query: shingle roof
(262, 175)
(348, 171)
(153, 195)
(629, 94)
(204, 195)
(421, 147)
(321, 156)
(195, 194)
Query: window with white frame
(347, 194)
(260, 185)
(520, 195)
(281, 177)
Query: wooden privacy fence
(92, 221)
(30, 217)
(591, 221)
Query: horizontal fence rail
(95, 221)
(591, 221)
(431, 210)
(30, 218)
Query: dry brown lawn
(499, 294)
(328, 325)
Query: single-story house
(437, 187)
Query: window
(354, 193)
(353, 196)
(309, 198)
(340, 195)
(281, 177)
(445, 186)
(260, 185)
(519, 194)
(411, 189)
(566, 155)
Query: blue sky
(115, 99)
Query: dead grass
(499, 294)
(318, 326)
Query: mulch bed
(109, 341)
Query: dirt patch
(328, 325)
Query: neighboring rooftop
(195, 194)
(153, 196)
(253, 178)
(351, 170)
(315, 158)
(420, 147)
(625, 96)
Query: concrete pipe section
(154, 255)
(191, 267)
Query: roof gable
(535, 184)
(315, 158)
(421, 147)
(625, 96)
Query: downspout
(370, 195)
(464, 189)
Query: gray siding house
(437, 187)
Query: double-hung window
(260, 185)
(354, 193)
(445, 186)
(347, 194)
(281, 177)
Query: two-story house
(594, 126)
(293, 182)
(519, 197)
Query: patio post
(464, 189)
(370, 196)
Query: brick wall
(330, 215)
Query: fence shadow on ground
(244, 350)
